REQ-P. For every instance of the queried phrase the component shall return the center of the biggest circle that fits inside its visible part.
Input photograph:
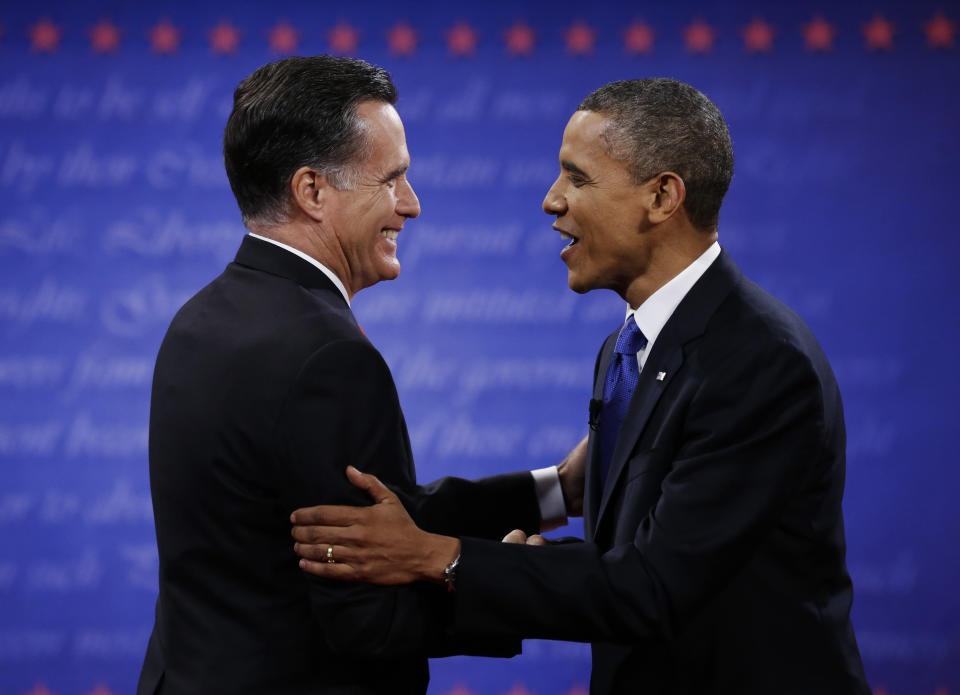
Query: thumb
(369, 483)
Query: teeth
(565, 236)
(389, 234)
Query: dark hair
(663, 125)
(292, 113)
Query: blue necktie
(622, 376)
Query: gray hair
(659, 125)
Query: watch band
(450, 574)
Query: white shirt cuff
(553, 510)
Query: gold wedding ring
(330, 559)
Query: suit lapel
(688, 322)
(591, 491)
(666, 360)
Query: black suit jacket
(265, 389)
(714, 560)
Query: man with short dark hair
(714, 554)
(265, 389)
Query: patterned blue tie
(622, 376)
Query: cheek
(586, 210)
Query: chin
(578, 285)
(390, 272)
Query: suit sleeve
(343, 410)
(486, 508)
(752, 427)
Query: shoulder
(265, 324)
(754, 336)
(750, 319)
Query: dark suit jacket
(715, 554)
(265, 389)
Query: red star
(460, 690)
(879, 33)
(758, 36)
(164, 37)
(940, 31)
(638, 38)
(105, 37)
(45, 36)
(343, 38)
(462, 39)
(578, 690)
(224, 38)
(39, 689)
(699, 37)
(818, 34)
(520, 39)
(580, 38)
(283, 38)
(519, 690)
(100, 689)
(402, 39)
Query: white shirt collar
(653, 314)
(313, 261)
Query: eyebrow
(396, 173)
(571, 167)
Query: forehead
(384, 131)
(583, 142)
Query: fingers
(371, 484)
(515, 536)
(337, 570)
(327, 515)
(324, 553)
(536, 539)
(346, 535)
(339, 515)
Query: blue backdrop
(114, 209)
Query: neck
(309, 239)
(667, 260)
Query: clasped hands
(381, 544)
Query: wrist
(443, 550)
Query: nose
(554, 203)
(408, 204)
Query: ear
(310, 191)
(668, 195)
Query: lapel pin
(661, 376)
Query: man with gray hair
(714, 552)
(266, 388)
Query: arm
(343, 409)
(752, 428)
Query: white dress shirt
(653, 314)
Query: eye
(576, 180)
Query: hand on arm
(379, 544)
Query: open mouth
(565, 236)
(390, 234)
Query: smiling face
(366, 219)
(600, 209)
